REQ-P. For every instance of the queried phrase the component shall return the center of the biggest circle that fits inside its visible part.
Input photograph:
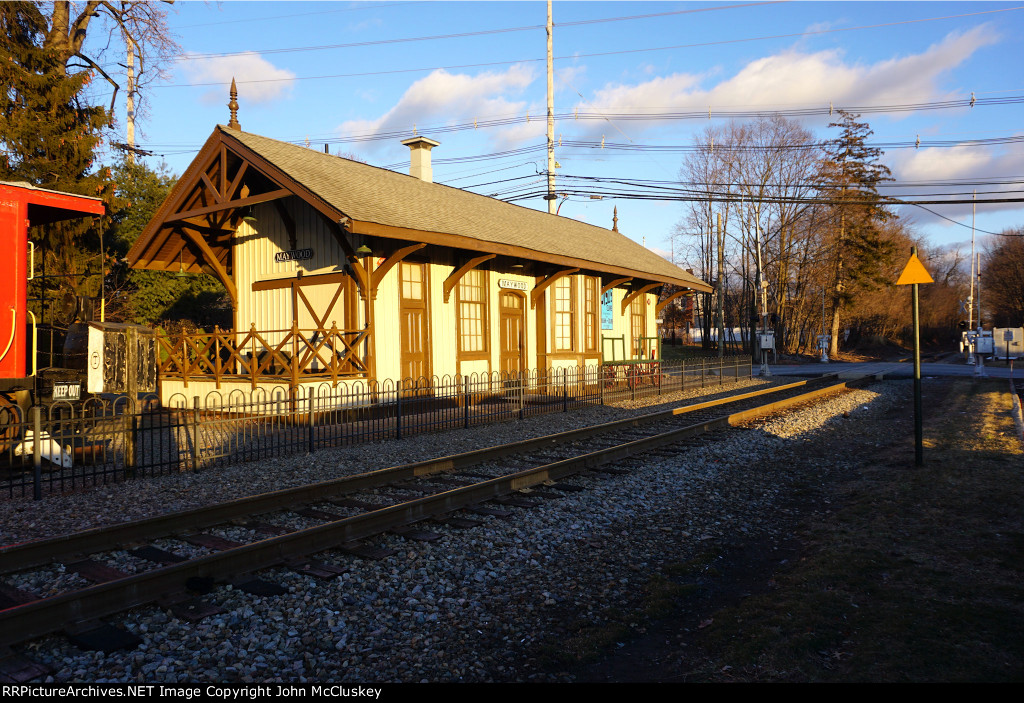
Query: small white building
(341, 272)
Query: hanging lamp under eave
(181, 266)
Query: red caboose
(22, 206)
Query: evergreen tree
(49, 130)
(860, 249)
(49, 136)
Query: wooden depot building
(340, 272)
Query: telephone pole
(130, 106)
(551, 196)
(721, 290)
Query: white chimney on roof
(419, 157)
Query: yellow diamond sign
(914, 272)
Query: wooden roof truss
(194, 228)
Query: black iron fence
(65, 447)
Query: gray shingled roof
(376, 195)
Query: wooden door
(415, 323)
(638, 326)
(513, 327)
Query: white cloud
(824, 26)
(940, 164)
(797, 78)
(444, 97)
(567, 78)
(964, 163)
(269, 83)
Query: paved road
(892, 370)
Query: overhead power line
(737, 199)
(614, 147)
(574, 57)
(725, 193)
(463, 35)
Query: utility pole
(979, 368)
(551, 196)
(130, 107)
(970, 296)
(721, 290)
(761, 292)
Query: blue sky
(296, 83)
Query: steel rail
(41, 617)
(27, 555)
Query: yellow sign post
(913, 274)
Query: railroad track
(287, 527)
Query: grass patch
(917, 576)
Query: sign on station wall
(513, 285)
(293, 255)
(607, 311)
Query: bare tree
(705, 172)
(83, 36)
(1002, 276)
(774, 169)
(760, 176)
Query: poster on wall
(606, 311)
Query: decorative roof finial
(615, 219)
(233, 106)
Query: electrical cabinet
(121, 358)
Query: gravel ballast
(477, 605)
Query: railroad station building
(342, 272)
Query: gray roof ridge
(599, 242)
(414, 179)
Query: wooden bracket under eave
(389, 263)
(664, 303)
(352, 263)
(211, 259)
(458, 274)
(539, 289)
(617, 282)
(635, 294)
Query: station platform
(893, 370)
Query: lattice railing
(268, 355)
